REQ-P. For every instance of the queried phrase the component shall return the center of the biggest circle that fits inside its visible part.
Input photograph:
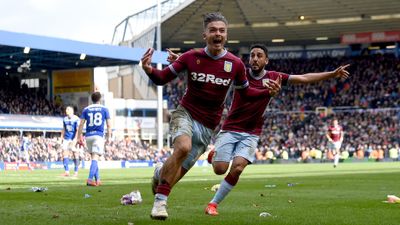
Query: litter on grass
(39, 189)
(215, 187)
(392, 199)
(292, 184)
(132, 198)
(265, 214)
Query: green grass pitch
(350, 194)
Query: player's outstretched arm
(340, 72)
(252, 93)
(159, 77)
(146, 60)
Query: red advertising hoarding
(370, 37)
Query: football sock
(92, 170)
(160, 197)
(337, 156)
(222, 191)
(66, 162)
(162, 192)
(76, 163)
(232, 180)
(97, 174)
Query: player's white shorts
(183, 123)
(334, 145)
(230, 144)
(69, 145)
(95, 144)
(24, 155)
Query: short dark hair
(96, 96)
(213, 16)
(262, 46)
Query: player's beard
(258, 71)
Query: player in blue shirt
(95, 116)
(26, 146)
(69, 136)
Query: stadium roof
(47, 53)
(263, 20)
(30, 122)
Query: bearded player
(211, 72)
(238, 138)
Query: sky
(81, 20)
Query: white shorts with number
(24, 155)
(95, 144)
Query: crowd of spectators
(285, 136)
(48, 149)
(374, 83)
(22, 100)
(296, 133)
(41, 149)
(128, 149)
(291, 126)
(367, 105)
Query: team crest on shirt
(198, 61)
(228, 66)
(265, 82)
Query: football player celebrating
(239, 135)
(211, 71)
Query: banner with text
(309, 54)
(370, 37)
(85, 165)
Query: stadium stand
(365, 130)
(374, 83)
(19, 99)
(367, 105)
(48, 149)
